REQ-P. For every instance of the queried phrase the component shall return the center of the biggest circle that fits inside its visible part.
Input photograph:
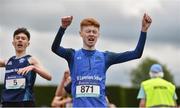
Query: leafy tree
(141, 73)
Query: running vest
(159, 92)
(17, 87)
(88, 80)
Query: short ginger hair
(89, 22)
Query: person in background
(62, 96)
(157, 92)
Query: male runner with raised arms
(88, 66)
(20, 73)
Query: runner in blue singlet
(88, 66)
(20, 73)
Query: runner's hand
(25, 70)
(66, 21)
(146, 22)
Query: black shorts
(19, 104)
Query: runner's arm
(114, 58)
(60, 91)
(66, 53)
(56, 48)
(142, 103)
(2, 63)
(37, 67)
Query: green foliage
(141, 73)
(178, 95)
(114, 95)
(44, 95)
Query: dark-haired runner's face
(20, 42)
(89, 35)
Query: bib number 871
(87, 89)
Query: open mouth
(91, 39)
(19, 45)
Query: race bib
(87, 91)
(18, 83)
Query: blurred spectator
(62, 98)
(157, 92)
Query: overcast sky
(120, 28)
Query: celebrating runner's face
(89, 35)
